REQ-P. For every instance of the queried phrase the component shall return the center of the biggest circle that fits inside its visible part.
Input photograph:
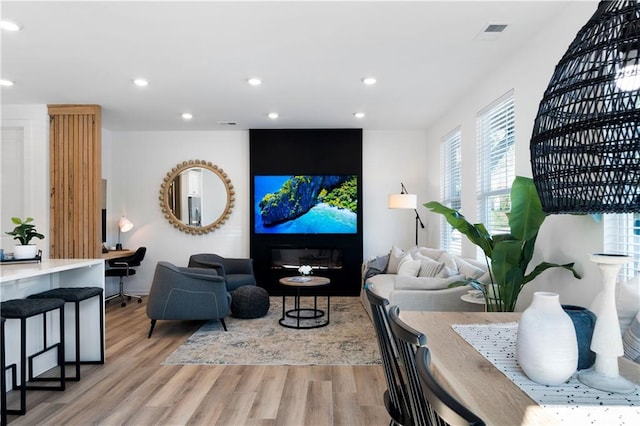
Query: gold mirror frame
(164, 197)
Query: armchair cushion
(236, 271)
(187, 294)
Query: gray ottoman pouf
(249, 301)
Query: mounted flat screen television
(318, 204)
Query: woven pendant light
(585, 148)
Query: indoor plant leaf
(24, 232)
(511, 253)
(476, 233)
(546, 265)
(526, 214)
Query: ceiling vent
(495, 28)
(491, 32)
(227, 123)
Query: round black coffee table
(308, 316)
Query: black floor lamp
(404, 200)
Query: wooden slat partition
(75, 138)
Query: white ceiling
(311, 57)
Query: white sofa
(418, 279)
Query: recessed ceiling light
(9, 25)
(6, 83)
(140, 82)
(187, 116)
(254, 81)
(359, 114)
(369, 81)
(273, 115)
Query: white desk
(21, 280)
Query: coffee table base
(304, 314)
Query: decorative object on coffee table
(305, 270)
(249, 302)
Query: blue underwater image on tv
(322, 204)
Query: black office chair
(123, 267)
(395, 397)
(449, 411)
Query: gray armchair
(187, 294)
(236, 271)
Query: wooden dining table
(473, 379)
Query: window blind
(622, 236)
(495, 129)
(450, 186)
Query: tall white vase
(547, 348)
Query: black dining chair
(448, 410)
(408, 340)
(395, 396)
(124, 267)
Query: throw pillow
(425, 283)
(449, 261)
(428, 266)
(430, 252)
(394, 260)
(469, 270)
(409, 268)
(447, 272)
(376, 266)
(631, 340)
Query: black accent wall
(307, 152)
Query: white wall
(139, 163)
(140, 160)
(34, 122)
(389, 158)
(562, 238)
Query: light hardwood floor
(132, 387)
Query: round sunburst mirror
(196, 197)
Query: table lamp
(124, 225)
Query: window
(622, 236)
(495, 126)
(450, 184)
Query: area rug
(349, 339)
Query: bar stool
(24, 309)
(3, 378)
(76, 295)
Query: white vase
(547, 348)
(28, 251)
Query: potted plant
(24, 232)
(511, 253)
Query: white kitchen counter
(20, 280)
